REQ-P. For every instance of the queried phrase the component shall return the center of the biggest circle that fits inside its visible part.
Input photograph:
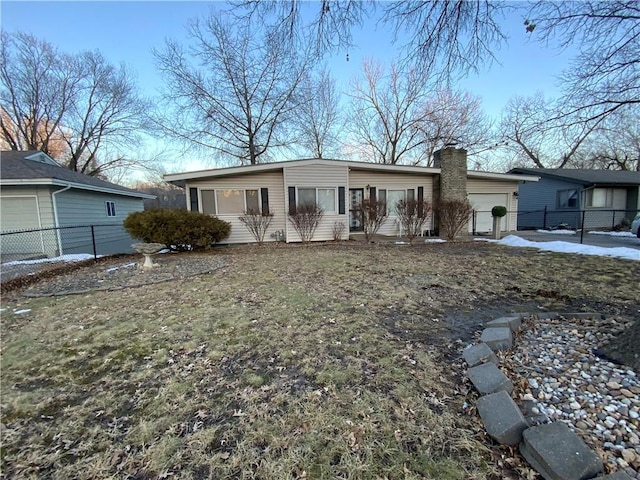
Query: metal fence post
(93, 241)
(544, 218)
(582, 226)
(474, 220)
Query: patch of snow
(2, 309)
(128, 265)
(566, 247)
(20, 312)
(435, 240)
(558, 232)
(614, 234)
(76, 257)
(402, 243)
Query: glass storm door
(355, 201)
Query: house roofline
(79, 186)
(566, 178)
(179, 179)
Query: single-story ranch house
(339, 186)
(37, 193)
(606, 197)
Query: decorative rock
(487, 378)
(479, 354)
(502, 418)
(582, 315)
(514, 323)
(559, 454)
(615, 476)
(498, 338)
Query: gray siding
(80, 207)
(533, 197)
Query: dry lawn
(320, 362)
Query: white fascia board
(60, 183)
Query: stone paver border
(552, 448)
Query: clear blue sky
(127, 31)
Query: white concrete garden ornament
(148, 249)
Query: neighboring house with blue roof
(38, 193)
(607, 197)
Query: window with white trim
(111, 208)
(325, 198)
(599, 197)
(229, 201)
(392, 197)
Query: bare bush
(338, 230)
(305, 219)
(373, 214)
(257, 223)
(453, 216)
(412, 215)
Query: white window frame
(110, 207)
(392, 211)
(335, 197)
(215, 196)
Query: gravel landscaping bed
(566, 381)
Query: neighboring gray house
(38, 193)
(607, 197)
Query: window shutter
(372, 194)
(341, 201)
(420, 200)
(193, 199)
(264, 197)
(292, 200)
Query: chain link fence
(95, 240)
(545, 219)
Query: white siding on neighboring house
(273, 181)
(318, 176)
(502, 192)
(392, 181)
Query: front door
(356, 195)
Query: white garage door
(20, 213)
(483, 203)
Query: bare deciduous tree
(305, 219)
(317, 115)
(453, 117)
(453, 216)
(81, 100)
(453, 35)
(231, 90)
(387, 114)
(605, 75)
(535, 134)
(257, 223)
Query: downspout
(55, 217)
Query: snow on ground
(566, 247)
(435, 240)
(614, 234)
(77, 257)
(128, 265)
(558, 232)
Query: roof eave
(60, 183)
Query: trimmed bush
(412, 215)
(453, 216)
(373, 214)
(498, 211)
(178, 229)
(305, 219)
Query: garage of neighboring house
(39, 197)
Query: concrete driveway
(588, 239)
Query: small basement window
(111, 208)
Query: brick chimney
(452, 183)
